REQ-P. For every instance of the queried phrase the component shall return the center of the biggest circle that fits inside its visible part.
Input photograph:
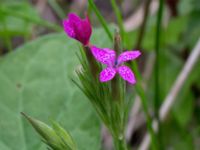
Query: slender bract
(55, 137)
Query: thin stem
(157, 61)
(101, 19)
(115, 83)
(157, 71)
(143, 25)
(139, 89)
(120, 143)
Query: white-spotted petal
(107, 74)
(127, 74)
(128, 55)
(105, 55)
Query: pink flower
(77, 28)
(115, 65)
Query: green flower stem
(92, 62)
(118, 103)
(101, 19)
(120, 143)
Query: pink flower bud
(77, 28)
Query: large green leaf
(36, 79)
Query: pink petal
(77, 28)
(69, 29)
(73, 17)
(105, 55)
(128, 55)
(87, 30)
(127, 74)
(107, 74)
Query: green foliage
(176, 137)
(172, 34)
(17, 18)
(12, 25)
(182, 112)
(36, 79)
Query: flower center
(116, 64)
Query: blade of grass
(101, 19)
(157, 61)
(157, 71)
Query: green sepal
(55, 137)
(64, 136)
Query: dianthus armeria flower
(115, 64)
(77, 28)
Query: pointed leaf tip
(56, 137)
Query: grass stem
(157, 71)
